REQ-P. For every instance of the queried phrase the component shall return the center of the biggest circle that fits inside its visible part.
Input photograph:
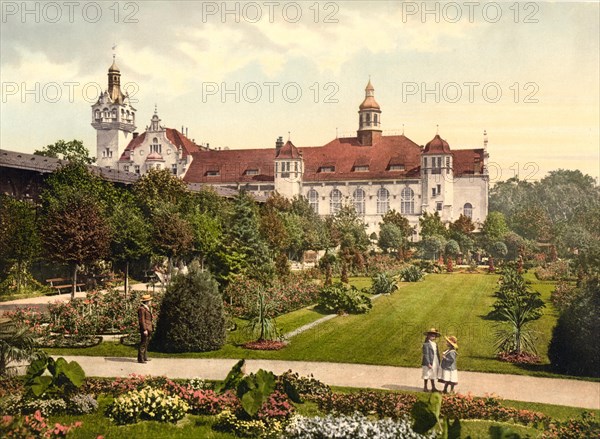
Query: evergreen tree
(191, 316)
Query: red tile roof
(343, 154)
(437, 145)
(288, 151)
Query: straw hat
(432, 331)
(453, 341)
(146, 298)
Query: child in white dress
(449, 372)
(431, 359)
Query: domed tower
(437, 178)
(113, 117)
(369, 118)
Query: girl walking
(431, 359)
(449, 375)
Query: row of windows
(407, 202)
(108, 114)
(136, 168)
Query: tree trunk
(74, 286)
(126, 280)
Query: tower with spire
(113, 118)
(369, 118)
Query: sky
(240, 74)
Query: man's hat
(432, 331)
(146, 298)
(453, 341)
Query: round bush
(191, 318)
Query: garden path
(568, 392)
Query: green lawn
(391, 334)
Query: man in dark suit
(145, 320)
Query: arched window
(375, 119)
(156, 147)
(468, 210)
(359, 201)
(97, 114)
(407, 201)
(114, 113)
(313, 200)
(383, 201)
(335, 201)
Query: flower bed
(69, 341)
(265, 345)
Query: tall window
(468, 210)
(313, 200)
(383, 201)
(155, 147)
(407, 201)
(335, 201)
(359, 201)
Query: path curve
(568, 392)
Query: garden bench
(61, 283)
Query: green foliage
(72, 151)
(391, 238)
(431, 225)
(411, 273)
(16, 344)
(517, 307)
(158, 187)
(575, 344)
(64, 377)
(383, 283)
(191, 318)
(452, 248)
(498, 249)
(426, 416)
(254, 390)
(494, 227)
(262, 323)
(172, 234)
(19, 240)
(233, 378)
(432, 246)
(339, 298)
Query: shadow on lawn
(122, 359)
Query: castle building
(371, 171)
(119, 147)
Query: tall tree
(130, 235)
(75, 232)
(19, 239)
(159, 187)
(72, 151)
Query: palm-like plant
(16, 344)
(262, 323)
(518, 336)
(383, 284)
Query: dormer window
(212, 173)
(396, 168)
(363, 168)
(251, 172)
(327, 169)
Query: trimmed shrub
(575, 344)
(339, 298)
(192, 318)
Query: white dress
(447, 375)
(432, 374)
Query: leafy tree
(433, 246)
(72, 151)
(19, 239)
(208, 233)
(431, 225)
(273, 230)
(159, 187)
(575, 344)
(532, 222)
(75, 232)
(403, 231)
(452, 248)
(391, 238)
(462, 226)
(315, 235)
(172, 235)
(499, 249)
(349, 232)
(130, 235)
(191, 317)
(494, 228)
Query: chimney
(135, 135)
(186, 131)
(207, 145)
(279, 143)
(181, 129)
